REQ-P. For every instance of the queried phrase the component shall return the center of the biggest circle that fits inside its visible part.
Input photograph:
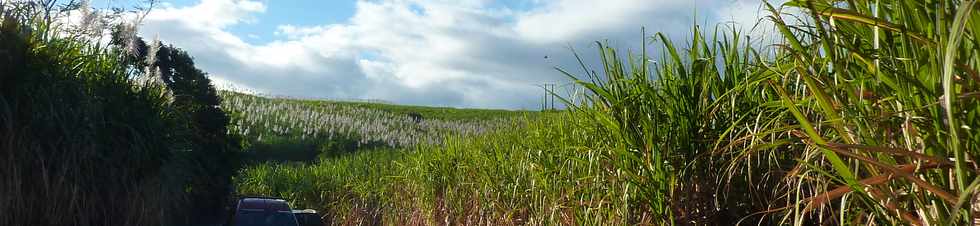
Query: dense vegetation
(862, 113)
(98, 134)
(212, 155)
(531, 173)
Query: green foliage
(212, 153)
(886, 86)
(666, 119)
(530, 174)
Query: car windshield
(265, 218)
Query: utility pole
(548, 100)
(553, 87)
(552, 94)
(544, 99)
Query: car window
(265, 218)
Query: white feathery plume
(88, 17)
(151, 51)
(128, 32)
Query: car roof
(306, 211)
(262, 204)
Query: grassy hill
(293, 129)
(442, 113)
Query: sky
(456, 53)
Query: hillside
(442, 113)
(293, 129)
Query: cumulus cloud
(570, 20)
(430, 52)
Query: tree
(211, 153)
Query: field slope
(295, 129)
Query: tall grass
(81, 144)
(858, 115)
(545, 170)
(86, 139)
(885, 98)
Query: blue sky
(299, 13)
(262, 28)
(459, 53)
(294, 12)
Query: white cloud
(431, 52)
(569, 20)
(749, 16)
(212, 14)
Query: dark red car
(262, 211)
